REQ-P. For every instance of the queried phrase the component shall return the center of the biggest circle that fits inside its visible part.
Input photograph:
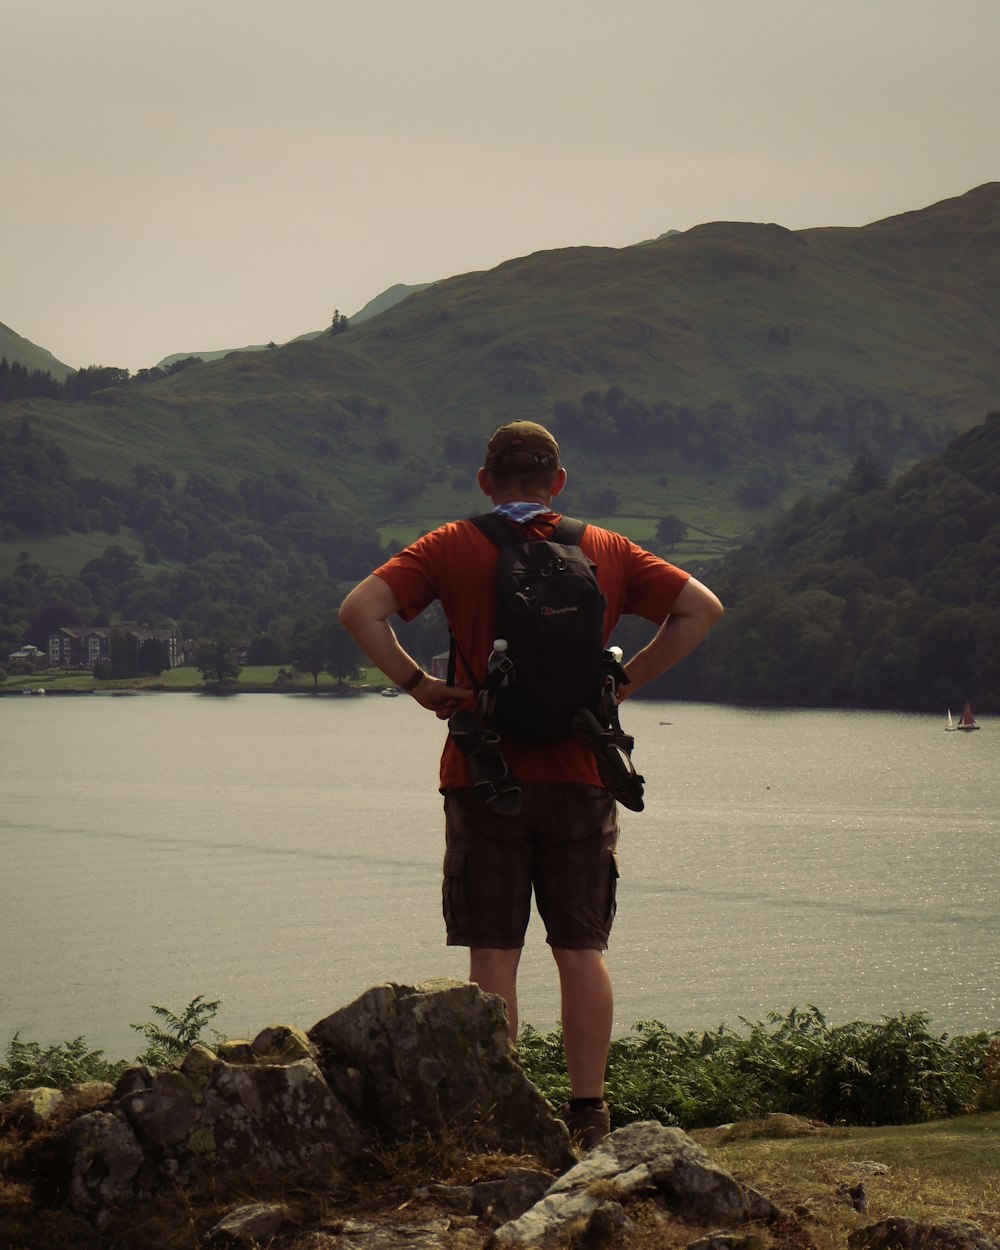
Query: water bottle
(500, 669)
(615, 674)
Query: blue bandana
(521, 512)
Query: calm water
(283, 853)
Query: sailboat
(950, 727)
(968, 721)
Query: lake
(282, 853)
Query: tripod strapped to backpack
(600, 732)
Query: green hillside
(807, 337)
(716, 376)
(877, 595)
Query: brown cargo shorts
(562, 847)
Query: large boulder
(400, 1060)
(437, 1057)
(206, 1115)
(642, 1158)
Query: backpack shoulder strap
(496, 529)
(567, 530)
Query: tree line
(19, 382)
(779, 427)
(880, 594)
(877, 595)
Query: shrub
(28, 1065)
(893, 1072)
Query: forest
(876, 595)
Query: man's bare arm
(365, 615)
(695, 611)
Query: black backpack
(550, 611)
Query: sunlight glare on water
(283, 853)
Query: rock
(133, 1079)
(429, 1061)
(728, 1241)
(427, 1235)
(868, 1167)
(176, 1124)
(236, 1052)
(30, 1108)
(494, 1201)
(249, 1225)
(105, 1159)
(280, 1043)
(774, 1124)
(855, 1196)
(902, 1234)
(437, 1057)
(165, 1113)
(520, 1189)
(606, 1222)
(641, 1157)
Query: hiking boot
(588, 1126)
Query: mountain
(702, 353)
(15, 348)
(388, 299)
(379, 304)
(711, 377)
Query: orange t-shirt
(457, 564)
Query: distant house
(27, 652)
(83, 646)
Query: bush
(28, 1065)
(894, 1072)
(165, 1044)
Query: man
(562, 844)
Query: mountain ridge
(379, 303)
(771, 345)
(15, 348)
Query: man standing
(562, 843)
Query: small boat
(968, 721)
(950, 726)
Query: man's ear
(559, 481)
(485, 485)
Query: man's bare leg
(587, 1015)
(495, 971)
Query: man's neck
(542, 500)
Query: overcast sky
(205, 174)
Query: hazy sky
(204, 174)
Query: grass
(66, 554)
(253, 678)
(715, 526)
(946, 1169)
